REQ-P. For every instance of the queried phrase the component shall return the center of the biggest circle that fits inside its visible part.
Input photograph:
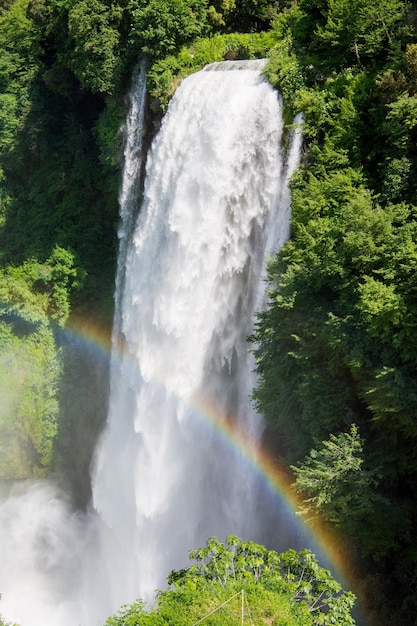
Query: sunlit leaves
(36, 290)
(295, 573)
(337, 345)
(333, 482)
(288, 589)
(358, 28)
(29, 374)
(94, 28)
(401, 120)
(162, 28)
(30, 365)
(166, 73)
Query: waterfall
(130, 187)
(215, 200)
(190, 277)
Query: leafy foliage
(29, 374)
(93, 26)
(30, 362)
(164, 27)
(36, 290)
(165, 74)
(359, 28)
(337, 487)
(282, 589)
(336, 347)
(4, 623)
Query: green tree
(337, 343)
(161, 28)
(58, 277)
(29, 374)
(288, 589)
(94, 28)
(36, 290)
(358, 29)
(334, 483)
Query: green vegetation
(288, 589)
(338, 489)
(30, 366)
(335, 352)
(166, 74)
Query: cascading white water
(215, 190)
(130, 188)
(190, 277)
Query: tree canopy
(226, 579)
(335, 350)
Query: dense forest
(335, 351)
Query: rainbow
(274, 475)
(86, 332)
(278, 479)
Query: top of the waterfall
(244, 64)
